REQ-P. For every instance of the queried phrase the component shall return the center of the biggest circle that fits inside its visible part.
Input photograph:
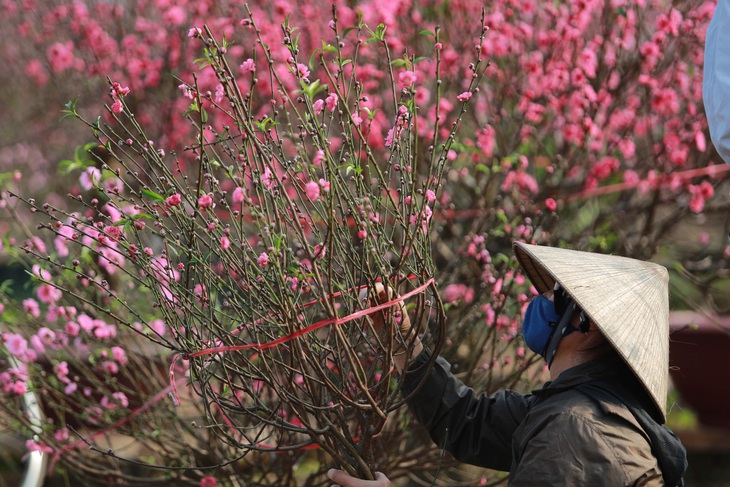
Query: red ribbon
(296, 334)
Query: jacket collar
(598, 369)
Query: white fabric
(716, 81)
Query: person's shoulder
(607, 432)
(605, 410)
(599, 416)
(571, 401)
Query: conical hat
(627, 299)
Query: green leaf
(371, 113)
(277, 241)
(193, 108)
(153, 195)
(132, 218)
(311, 58)
(266, 123)
(5, 177)
(81, 159)
(202, 61)
(398, 63)
(502, 258)
(311, 89)
(70, 110)
(96, 125)
(378, 35)
(427, 32)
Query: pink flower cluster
(564, 81)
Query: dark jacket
(576, 430)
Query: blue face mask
(539, 323)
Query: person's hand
(398, 313)
(402, 322)
(345, 480)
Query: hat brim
(627, 299)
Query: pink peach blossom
(312, 190)
(208, 482)
(331, 101)
(117, 106)
(268, 179)
(31, 307)
(15, 344)
(158, 326)
(238, 195)
(90, 178)
(61, 435)
(407, 78)
(33, 446)
(175, 15)
(205, 200)
(72, 328)
(37, 72)
(60, 56)
(458, 292)
(119, 355)
(248, 66)
(174, 199)
(302, 71)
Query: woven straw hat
(627, 299)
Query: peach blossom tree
(244, 182)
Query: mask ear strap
(560, 330)
(559, 298)
(585, 323)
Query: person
(601, 322)
(716, 79)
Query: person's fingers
(397, 312)
(384, 481)
(345, 480)
(370, 301)
(379, 291)
(342, 479)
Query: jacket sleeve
(716, 79)
(475, 429)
